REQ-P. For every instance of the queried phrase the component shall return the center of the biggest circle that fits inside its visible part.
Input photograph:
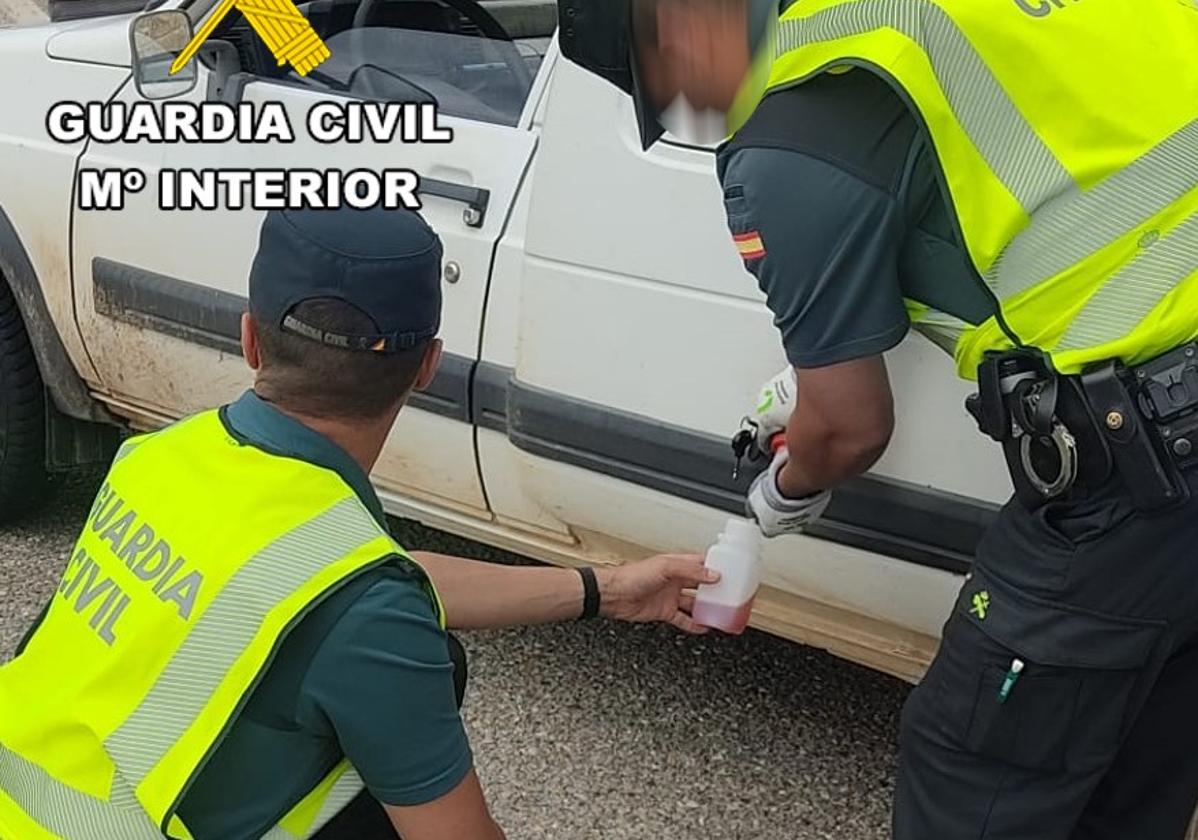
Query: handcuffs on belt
(1058, 430)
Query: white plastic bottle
(726, 605)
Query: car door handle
(476, 199)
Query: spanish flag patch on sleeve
(750, 245)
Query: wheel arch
(62, 380)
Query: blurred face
(702, 52)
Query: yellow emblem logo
(279, 23)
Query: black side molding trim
(903, 520)
(913, 523)
(195, 313)
(449, 392)
(489, 406)
(212, 318)
(66, 387)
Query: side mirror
(155, 41)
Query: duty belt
(1059, 431)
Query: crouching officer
(1019, 181)
(238, 647)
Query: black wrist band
(590, 593)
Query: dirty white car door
(623, 353)
(159, 293)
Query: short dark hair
(319, 380)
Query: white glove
(776, 514)
(775, 404)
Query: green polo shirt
(833, 194)
(365, 675)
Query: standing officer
(238, 647)
(1018, 179)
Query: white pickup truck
(603, 339)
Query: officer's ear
(429, 364)
(250, 348)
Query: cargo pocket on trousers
(1071, 701)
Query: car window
(475, 58)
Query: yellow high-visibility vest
(198, 557)
(1067, 137)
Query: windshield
(468, 76)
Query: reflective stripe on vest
(1016, 154)
(56, 810)
(104, 721)
(50, 809)
(1087, 242)
(325, 802)
(1132, 293)
(221, 635)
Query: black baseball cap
(387, 263)
(597, 35)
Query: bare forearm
(461, 814)
(480, 595)
(480, 829)
(822, 456)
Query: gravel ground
(612, 732)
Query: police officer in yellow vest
(1018, 180)
(238, 648)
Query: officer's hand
(775, 404)
(775, 513)
(657, 589)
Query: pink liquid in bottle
(731, 620)
(727, 604)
